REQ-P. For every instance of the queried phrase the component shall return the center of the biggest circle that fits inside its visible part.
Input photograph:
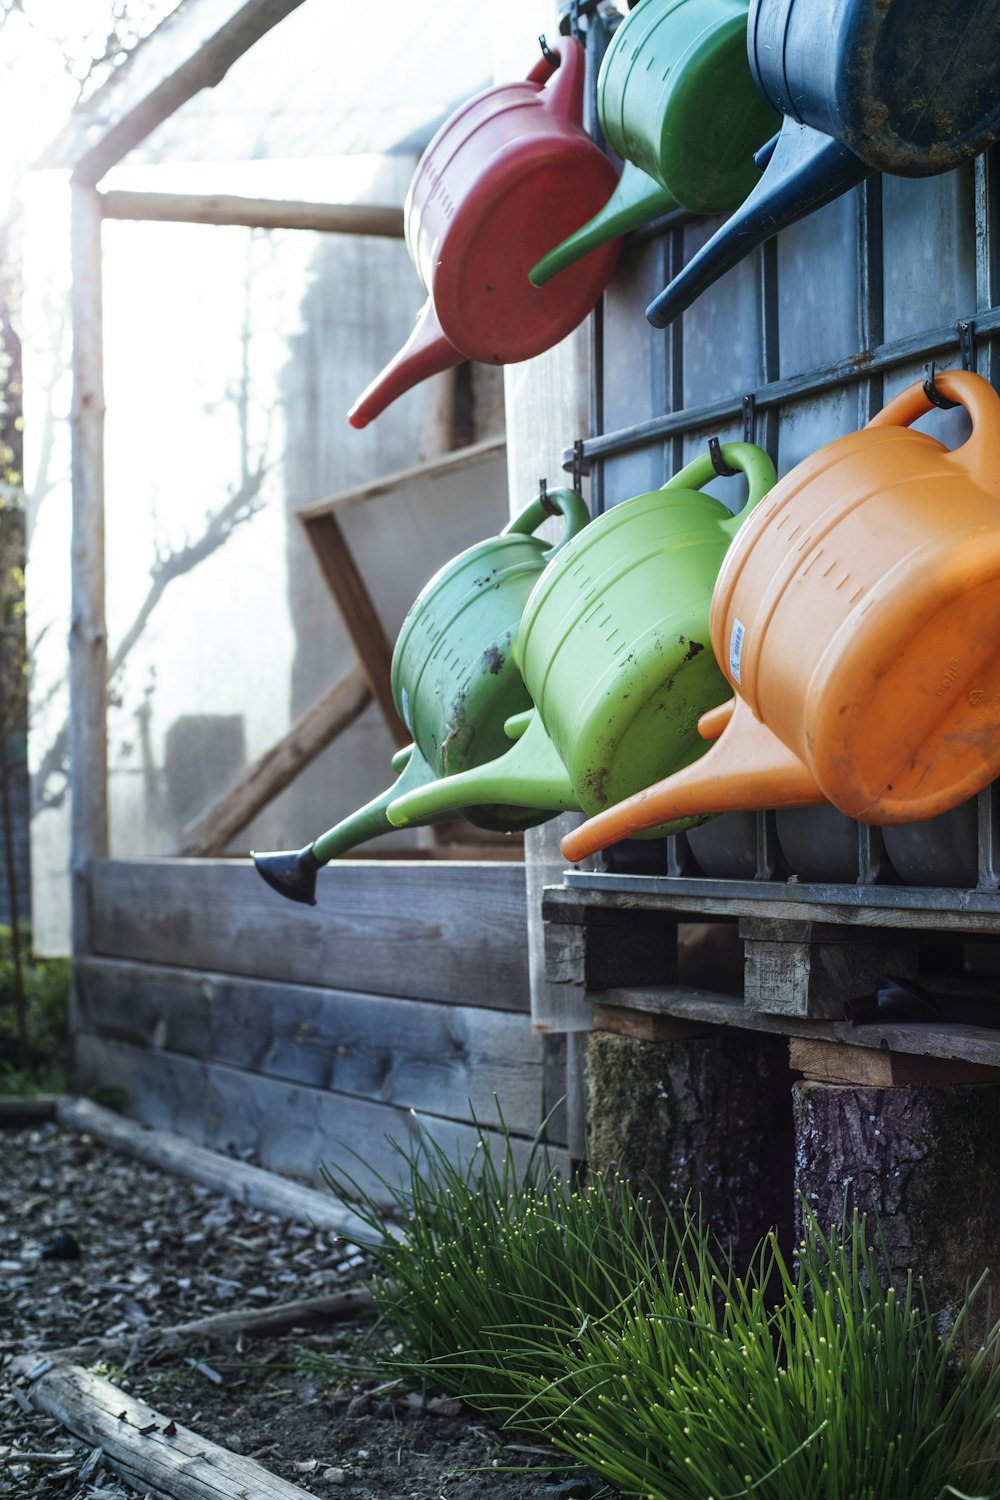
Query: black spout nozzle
(290, 873)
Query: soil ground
(153, 1250)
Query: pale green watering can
(615, 651)
(677, 102)
(455, 683)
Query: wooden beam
(361, 620)
(27, 1109)
(878, 1067)
(250, 1185)
(434, 471)
(142, 1444)
(215, 827)
(88, 641)
(192, 49)
(384, 222)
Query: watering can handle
(746, 458)
(546, 64)
(981, 451)
(566, 503)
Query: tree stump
(708, 1117)
(921, 1158)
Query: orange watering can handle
(742, 458)
(566, 503)
(980, 453)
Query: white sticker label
(736, 649)
(406, 709)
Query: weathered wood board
(144, 1445)
(418, 1054)
(287, 1127)
(452, 932)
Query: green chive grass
(486, 1269)
(783, 1384)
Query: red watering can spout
(748, 768)
(426, 352)
(564, 95)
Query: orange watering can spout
(746, 770)
(426, 352)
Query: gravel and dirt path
(93, 1245)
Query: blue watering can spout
(805, 170)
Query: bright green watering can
(677, 101)
(615, 651)
(455, 683)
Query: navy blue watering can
(910, 87)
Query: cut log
(708, 1119)
(250, 1322)
(250, 1185)
(142, 1444)
(213, 829)
(920, 1160)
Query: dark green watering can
(676, 101)
(615, 651)
(455, 683)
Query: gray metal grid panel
(803, 342)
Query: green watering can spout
(637, 199)
(293, 873)
(530, 775)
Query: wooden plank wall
(303, 1035)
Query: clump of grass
(782, 1384)
(487, 1269)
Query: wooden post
(88, 643)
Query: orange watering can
(506, 177)
(857, 618)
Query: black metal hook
(552, 58)
(718, 462)
(580, 466)
(934, 396)
(543, 497)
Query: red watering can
(508, 176)
(856, 616)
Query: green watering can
(455, 683)
(615, 651)
(677, 101)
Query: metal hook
(552, 58)
(579, 464)
(718, 462)
(934, 396)
(543, 496)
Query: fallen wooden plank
(252, 1322)
(142, 1444)
(27, 1109)
(250, 1185)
